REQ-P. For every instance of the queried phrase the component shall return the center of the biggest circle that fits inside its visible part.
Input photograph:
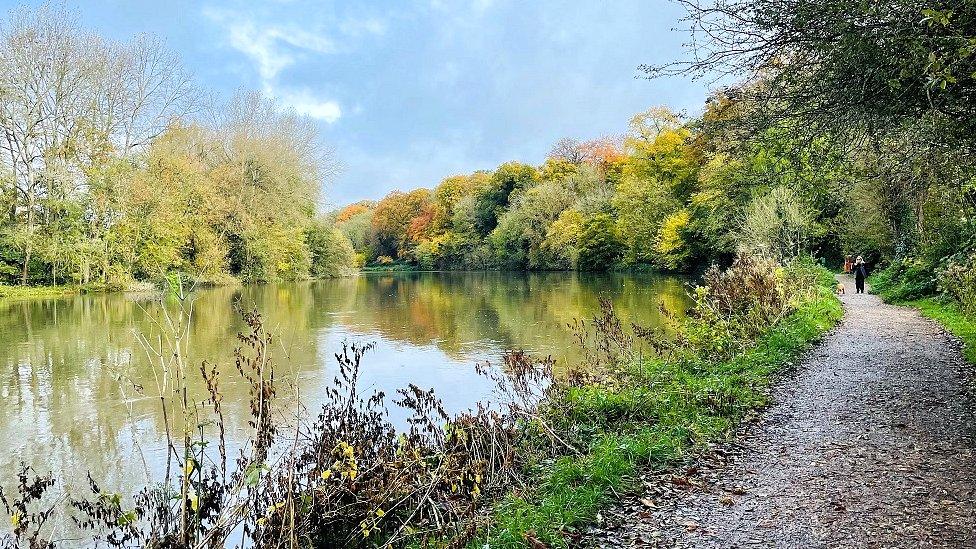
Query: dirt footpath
(871, 442)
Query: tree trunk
(28, 250)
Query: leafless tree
(568, 149)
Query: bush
(905, 280)
(736, 306)
(958, 279)
(778, 225)
(345, 478)
(628, 409)
(556, 450)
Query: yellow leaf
(194, 499)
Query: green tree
(777, 225)
(641, 205)
(332, 253)
(521, 232)
(843, 64)
(599, 247)
(507, 181)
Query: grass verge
(667, 409)
(28, 292)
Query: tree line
(848, 130)
(670, 194)
(116, 167)
(890, 88)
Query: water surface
(79, 391)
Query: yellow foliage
(670, 246)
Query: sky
(408, 92)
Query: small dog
(841, 290)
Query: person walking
(860, 273)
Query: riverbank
(536, 471)
(652, 414)
(404, 267)
(140, 286)
(27, 292)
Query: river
(79, 392)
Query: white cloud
(305, 103)
(274, 48)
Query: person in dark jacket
(860, 273)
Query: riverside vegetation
(532, 469)
(109, 175)
(849, 131)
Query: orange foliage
(353, 210)
(422, 225)
(394, 214)
(602, 151)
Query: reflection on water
(78, 392)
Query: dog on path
(841, 290)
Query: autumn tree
(599, 247)
(521, 232)
(840, 65)
(568, 150)
(392, 218)
(353, 210)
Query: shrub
(332, 253)
(346, 478)
(734, 307)
(958, 279)
(777, 225)
(905, 280)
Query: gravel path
(871, 443)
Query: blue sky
(409, 92)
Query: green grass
(28, 292)
(655, 423)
